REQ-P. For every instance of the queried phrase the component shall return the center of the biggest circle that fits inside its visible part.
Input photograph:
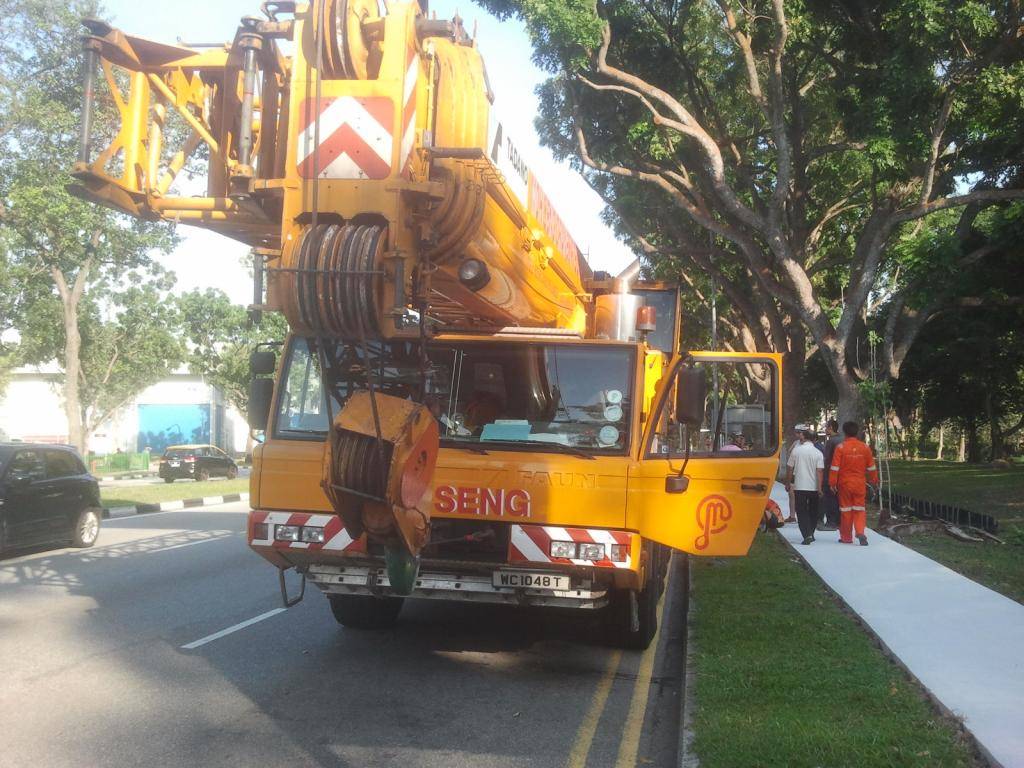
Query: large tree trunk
(995, 451)
(70, 298)
(973, 447)
(792, 382)
(942, 441)
(851, 402)
(961, 454)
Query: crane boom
(366, 166)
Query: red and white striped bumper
(336, 538)
(532, 544)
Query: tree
(128, 340)
(807, 137)
(221, 338)
(83, 259)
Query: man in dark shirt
(829, 501)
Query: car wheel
(168, 479)
(203, 474)
(363, 612)
(87, 528)
(232, 472)
(619, 616)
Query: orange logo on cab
(713, 514)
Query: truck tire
(618, 616)
(168, 479)
(364, 612)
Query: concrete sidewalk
(962, 641)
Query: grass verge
(996, 492)
(183, 489)
(784, 677)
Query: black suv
(46, 497)
(196, 462)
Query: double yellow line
(629, 746)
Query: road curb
(166, 506)
(130, 476)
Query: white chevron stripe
(527, 547)
(411, 76)
(340, 540)
(341, 111)
(407, 139)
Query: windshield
(565, 396)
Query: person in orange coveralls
(852, 468)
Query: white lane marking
(192, 543)
(242, 625)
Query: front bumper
(342, 565)
(435, 584)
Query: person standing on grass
(829, 501)
(851, 469)
(806, 471)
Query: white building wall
(32, 410)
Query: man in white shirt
(806, 471)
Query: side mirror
(691, 392)
(676, 484)
(261, 393)
(262, 362)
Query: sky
(205, 259)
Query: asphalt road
(117, 656)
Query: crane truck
(463, 409)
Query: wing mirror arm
(691, 393)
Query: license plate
(175, 463)
(526, 580)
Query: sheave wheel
(202, 474)
(619, 616)
(87, 528)
(363, 612)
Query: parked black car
(196, 462)
(46, 497)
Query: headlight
(286, 532)
(566, 549)
(620, 553)
(591, 552)
(312, 534)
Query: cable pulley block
(379, 482)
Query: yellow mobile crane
(463, 410)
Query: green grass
(786, 678)
(128, 496)
(996, 492)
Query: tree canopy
(94, 266)
(823, 145)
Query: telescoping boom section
(358, 153)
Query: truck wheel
(168, 479)
(619, 616)
(363, 612)
(87, 528)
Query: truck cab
(564, 478)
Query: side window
(301, 408)
(61, 464)
(26, 464)
(739, 414)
